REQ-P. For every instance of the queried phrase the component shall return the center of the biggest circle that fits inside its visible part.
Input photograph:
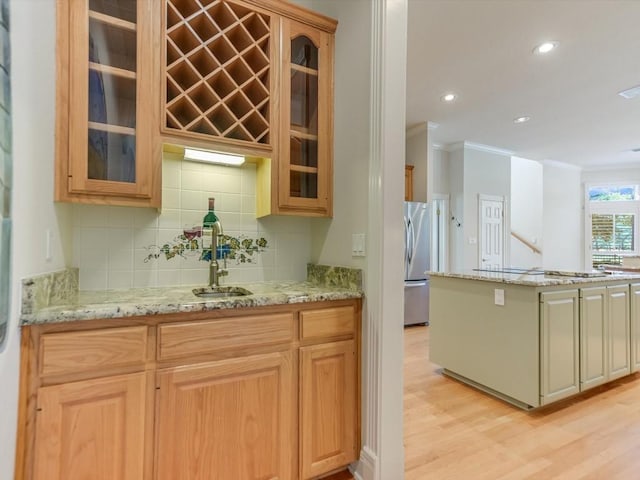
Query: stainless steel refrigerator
(417, 251)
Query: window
(613, 211)
(613, 232)
(613, 193)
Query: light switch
(498, 296)
(357, 245)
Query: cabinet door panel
(619, 345)
(328, 406)
(91, 429)
(107, 101)
(635, 327)
(593, 335)
(227, 420)
(559, 341)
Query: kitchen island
(535, 337)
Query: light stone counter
(539, 278)
(54, 298)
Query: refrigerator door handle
(412, 237)
(407, 254)
(415, 284)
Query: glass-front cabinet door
(111, 102)
(306, 141)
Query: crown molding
(452, 147)
(421, 128)
(557, 164)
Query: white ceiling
(482, 50)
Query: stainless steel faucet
(215, 272)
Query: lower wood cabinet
(91, 426)
(274, 397)
(227, 419)
(328, 404)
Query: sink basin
(220, 292)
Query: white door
(439, 237)
(491, 244)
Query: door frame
(506, 227)
(443, 241)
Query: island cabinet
(107, 140)
(532, 341)
(635, 326)
(559, 334)
(604, 334)
(252, 393)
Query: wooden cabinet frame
(72, 183)
(331, 329)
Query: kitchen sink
(220, 292)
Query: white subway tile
(192, 180)
(94, 238)
(249, 224)
(192, 277)
(191, 218)
(248, 204)
(90, 215)
(120, 238)
(168, 278)
(187, 165)
(120, 279)
(144, 259)
(145, 218)
(120, 259)
(145, 237)
(90, 279)
(120, 217)
(92, 259)
(145, 278)
(192, 200)
(170, 198)
(248, 181)
(227, 202)
(169, 218)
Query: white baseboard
(366, 468)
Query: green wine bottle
(209, 225)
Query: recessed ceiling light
(448, 97)
(521, 119)
(545, 47)
(630, 93)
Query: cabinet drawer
(72, 352)
(327, 322)
(193, 338)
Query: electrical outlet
(498, 296)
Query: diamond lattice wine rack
(217, 71)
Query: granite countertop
(55, 298)
(539, 278)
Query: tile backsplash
(124, 247)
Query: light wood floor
(454, 432)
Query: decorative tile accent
(57, 288)
(340, 277)
(189, 244)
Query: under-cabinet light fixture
(212, 157)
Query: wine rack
(218, 71)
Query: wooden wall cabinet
(408, 183)
(107, 141)
(269, 392)
(255, 78)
